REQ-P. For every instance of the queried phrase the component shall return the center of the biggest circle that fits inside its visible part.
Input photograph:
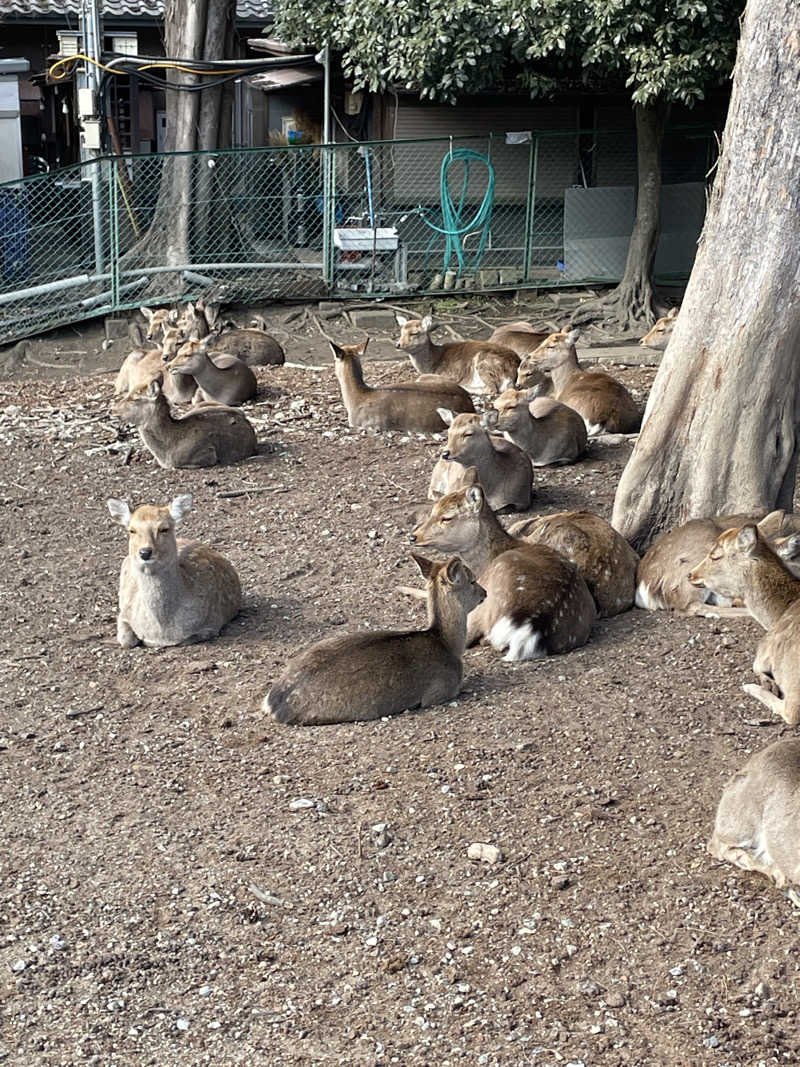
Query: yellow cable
(166, 65)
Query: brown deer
(171, 592)
(158, 320)
(663, 575)
(604, 558)
(252, 345)
(478, 366)
(504, 471)
(550, 432)
(741, 562)
(412, 406)
(659, 335)
(759, 813)
(520, 337)
(142, 366)
(604, 404)
(208, 436)
(226, 380)
(536, 601)
(364, 676)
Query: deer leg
(717, 611)
(125, 635)
(773, 702)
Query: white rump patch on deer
(522, 642)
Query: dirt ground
(162, 899)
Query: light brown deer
(504, 471)
(478, 366)
(158, 320)
(142, 366)
(550, 432)
(208, 436)
(659, 335)
(226, 380)
(604, 404)
(412, 406)
(759, 814)
(741, 559)
(604, 558)
(536, 601)
(171, 592)
(363, 676)
(663, 575)
(520, 337)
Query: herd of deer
(541, 582)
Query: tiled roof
(249, 10)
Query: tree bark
(632, 304)
(721, 425)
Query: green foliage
(671, 50)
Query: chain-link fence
(378, 218)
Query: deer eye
(715, 555)
(163, 529)
(447, 518)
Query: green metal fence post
(530, 207)
(113, 227)
(328, 213)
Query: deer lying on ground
(171, 592)
(225, 380)
(520, 337)
(478, 366)
(741, 562)
(531, 376)
(550, 432)
(759, 814)
(663, 574)
(412, 406)
(210, 435)
(142, 366)
(252, 345)
(536, 601)
(504, 471)
(660, 334)
(363, 676)
(604, 558)
(604, 404)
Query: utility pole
(90, 21)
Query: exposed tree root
(630, 308)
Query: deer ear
(454, 570)
(426, 566)
(173, 316)
(147, 312)
(572, 337)
(119, 511)
(469, 477)
(338, 353)
(770, 525)
(489, 418)
(673, 314)
(427, 323)
(475, 498)
(446, 415)
(180, 506)
(362, 348)
(154, 386)
(747, 539)
(401, 320)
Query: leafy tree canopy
(669, 50)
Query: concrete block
(509, 275)
(373, 319)
(487, 278)
(116, 329)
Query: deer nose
(145, 553)
(446, 454)
(413, 538)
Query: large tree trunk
(194, 29)
(721, 426)
(632, 304)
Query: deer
(531, 376)
(364, 676)
(741, 562)
(604, 558)
(226, 380)
(537, 603)
(479, 366)
(659, 335)
(143, 365)
(550, 432)
(759, 813)
(605, 404)
(520, 337)
(208, 436)
(158, 320)
(171, 592)
(504, 471)
(412, 406)
(252, 345)
(663, 574)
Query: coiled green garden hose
(451, 223)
